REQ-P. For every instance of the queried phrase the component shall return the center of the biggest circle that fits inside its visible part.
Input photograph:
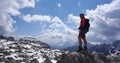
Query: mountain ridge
(34, 51)
(100, 48)
(107, 48)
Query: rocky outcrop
(89, 57)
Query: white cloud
(13, 6)
(27, 3)
(59, 5)
(75, 20)
(8, 8)
(56, 30)
(105, 21)
(33, 18)
(58, 33)
(6, 23)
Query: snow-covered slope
(27, 52)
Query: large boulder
(86, 57)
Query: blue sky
(56, 21)
(50, 7)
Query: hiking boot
(85, 48)
(79, 48)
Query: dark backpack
(87, 25)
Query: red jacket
(83, 22)
(82, 26)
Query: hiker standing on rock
(83, 29)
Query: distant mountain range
(107, 48)
(101, 48)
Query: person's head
(81, 15)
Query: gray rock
(47, 60)
(86, 57)
(34, 61)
